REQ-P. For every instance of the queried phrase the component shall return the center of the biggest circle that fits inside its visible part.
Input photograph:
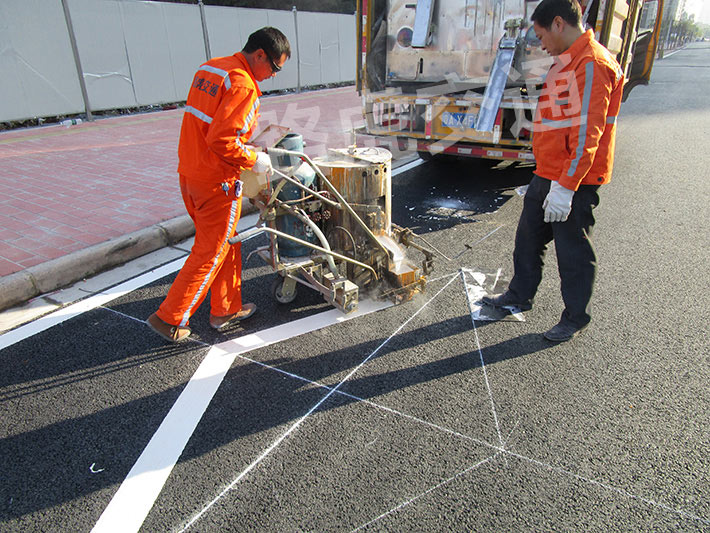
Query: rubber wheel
(276, 291)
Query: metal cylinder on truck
(294, 167)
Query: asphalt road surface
(404, 418)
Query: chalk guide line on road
(315, 407)
(135, 497)
(499, 449)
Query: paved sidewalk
(79, 199)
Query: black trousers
(576, 259)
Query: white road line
(408, 166)
(92, 302)
(101, 298)
(138, 492)
(332, 391)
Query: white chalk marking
(278, 441)
(483, 364)
(432, 489)
(135, 497)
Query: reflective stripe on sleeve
(247, 124)
(199, 114)
(249, 118)
(582, 137)
(611, 120)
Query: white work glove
(558, 203)
(263, 164)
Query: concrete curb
(19, 287)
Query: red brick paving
(63, 189)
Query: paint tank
(292, 166)
(363, 177)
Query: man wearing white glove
(573, 143)
(263, 164)
(558, 203)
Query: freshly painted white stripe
(103, 297)
(408, 166)
(97, 300)
(138, 492)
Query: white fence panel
(329, 48)
(288, 77)
(148, 27)
(309, 46)
(148, 51)
(101, 40)
(347, 32)
(187, 46)
(138, 53)
(39, 75)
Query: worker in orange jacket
(221, 114)
(573, 143)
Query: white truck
(461, 77)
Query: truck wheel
(281, 296)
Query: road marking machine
(328, 221)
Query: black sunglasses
(274, 67)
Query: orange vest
(220, 116)
(575, 121)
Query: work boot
(223, 322)
(506, 300)
(167, 331)
(562, 332)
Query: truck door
(644, 45)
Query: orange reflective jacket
(575, 120)
(220, 116)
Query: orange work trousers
(213, 263)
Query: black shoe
(562, 332)
(506, 300)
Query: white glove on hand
(558, 203)
(263, 164)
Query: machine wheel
(277, 290)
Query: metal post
(298, 55)
(205, 35)
(77, 61)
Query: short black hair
(547, 10)
(271, 41)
